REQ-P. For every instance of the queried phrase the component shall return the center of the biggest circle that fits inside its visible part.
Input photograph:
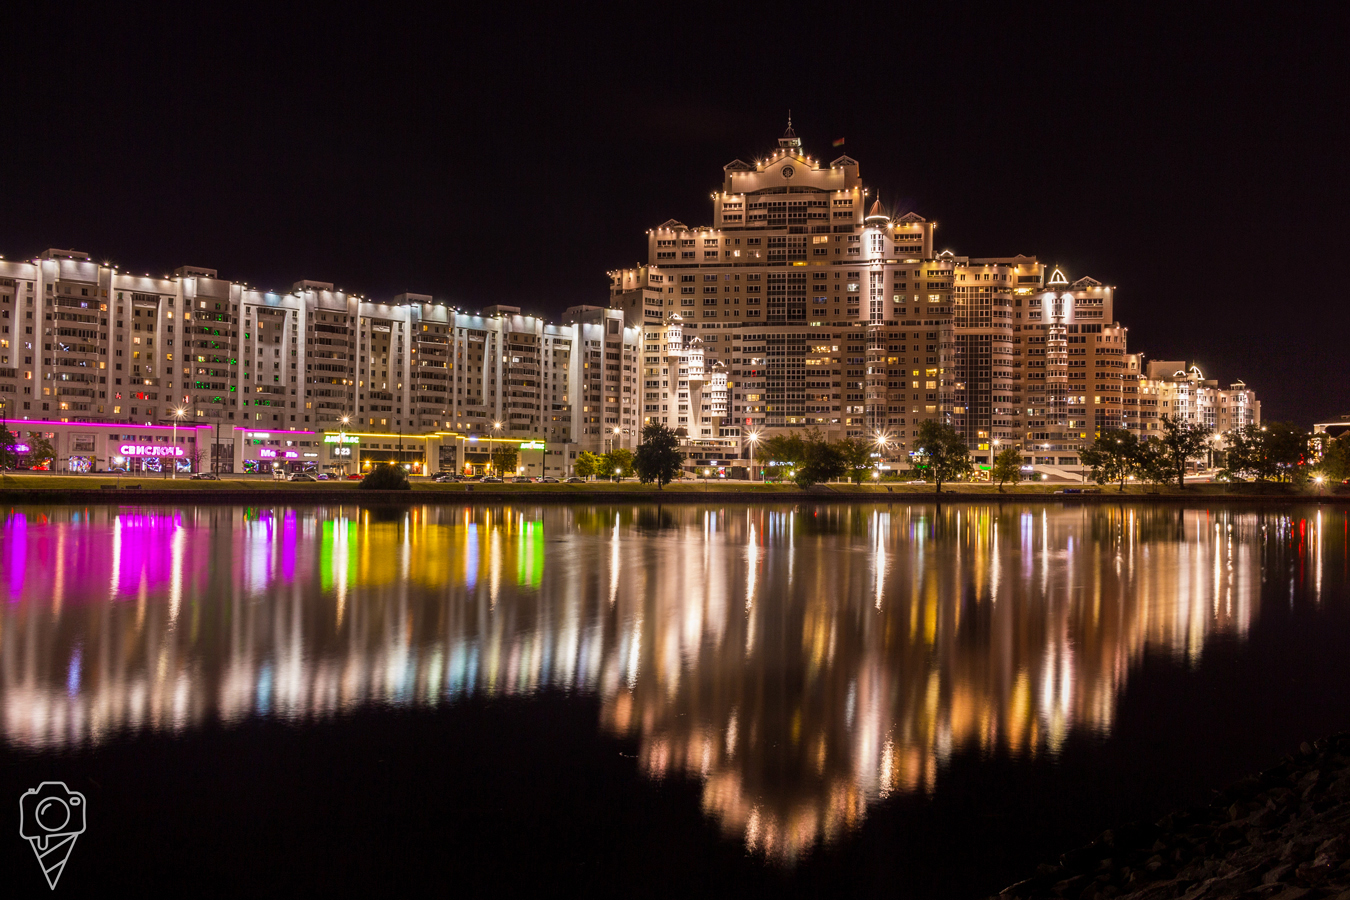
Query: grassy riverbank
(35, 483)
(15, 487)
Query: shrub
(386, 477)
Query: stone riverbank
(1280, 835)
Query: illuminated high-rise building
(826, 309)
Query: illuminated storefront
(90, 447)
(443, 452)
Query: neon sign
(149, 450)
(341, 439)
(265, 453)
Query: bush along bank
(1280, 835)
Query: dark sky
(1194, 159)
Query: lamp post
(492, 451)
(753, 437)
(173, 460)
(3, 450)
(993, 454)
(342, 440)
(882, 442)
(609, 441)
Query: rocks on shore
(1280, 835)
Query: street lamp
(1319, 480)
(882, 442)
(753, 437)
(342, 440)
(173, 460)
(609, 441)
(993, 451)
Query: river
(773, 699)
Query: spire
(876, 215)
(789, 140)
(1058, 278)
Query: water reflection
(802, 662)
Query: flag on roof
(838, 142)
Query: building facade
(807, 304)
(83, 342)
(1162, 387)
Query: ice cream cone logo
(51, 817)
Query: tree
(943, 454)
(1182, 441)
(658, 457)
(857, 456)
(1286, 450)
(784, 452)
(1335, 464)
(587, 464)
(505, 458)
(618, 461)
(1113, 457)
(1007, 467)
(821, 460)
(40, 451)
(7, 441)
(1271, 452)
(1152, 462)
(386, 477)
(1242, 453)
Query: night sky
(1195, 160)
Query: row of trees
(618, 462)
(1274, 452)
(940, 455)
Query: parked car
(448, 478)
(323, 476)
(576, 480)
(355, 476)
(522, 479)
(492, 479)
(548, 479)
(301, 476)
(204, 476)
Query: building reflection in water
(802, 662)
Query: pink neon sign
(149, 450)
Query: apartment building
(1171, 388)
(82, 341)
(822, 308)
(805, 303)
